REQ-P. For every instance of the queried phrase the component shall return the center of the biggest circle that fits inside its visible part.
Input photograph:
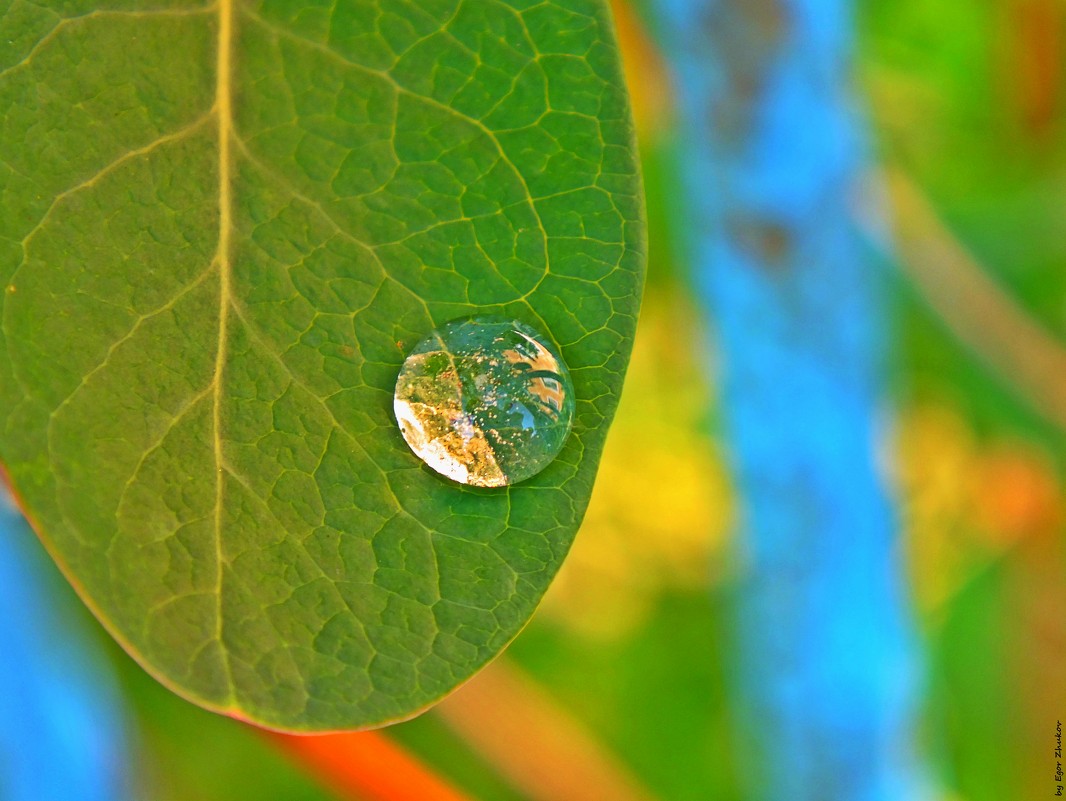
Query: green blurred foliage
(968, 98)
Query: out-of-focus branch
(976, 310)
(542, 750)
(366, 766)
(826, 662)
(62, 727)
(646, 75)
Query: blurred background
(824, 556)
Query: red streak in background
(365, 766)
(1035, 62)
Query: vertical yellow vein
(224, 109)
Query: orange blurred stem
(544, 751)
(972, 305)
(365, 766)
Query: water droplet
(485, 401)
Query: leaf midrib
(224, 110)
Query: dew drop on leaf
(485, 401)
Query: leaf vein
(66, 22)
(400, 88)
(140, 320)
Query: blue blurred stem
(827, 666)
(61, 727)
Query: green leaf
(223, 226)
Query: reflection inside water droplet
(485, 401)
